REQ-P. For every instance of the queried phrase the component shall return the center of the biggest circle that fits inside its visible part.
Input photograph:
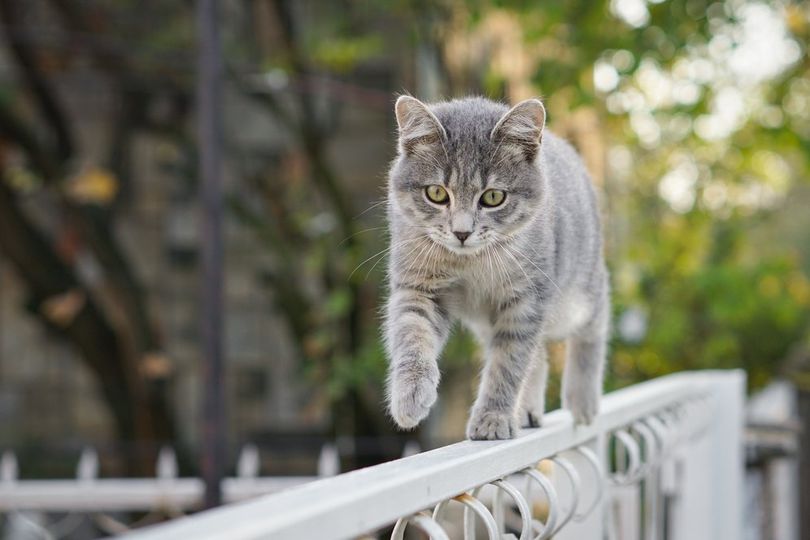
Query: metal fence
(664, 459)
(75, 508)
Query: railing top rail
(364, 500)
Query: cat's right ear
(419, 129)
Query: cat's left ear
(521, 129)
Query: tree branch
(43, 95)
(137, 400)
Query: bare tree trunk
(117, 356)
(46, 278)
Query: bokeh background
(693, 117)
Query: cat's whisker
(529, 281)
(489, 258)
(358, 233)
(422, 258)
(373, 266)
(502, 264)
(435, 259)
(379, 254)
(507, 251)
(382, 253)
(431, 259)
(372, 207)
(417, 268)
(503, 270)
(420, 247)
(548, 277)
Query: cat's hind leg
(533, 393)
(584, 367)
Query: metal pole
(209, 125)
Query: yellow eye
(437, 194)
(492, 198)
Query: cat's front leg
(509, 358)
(416, 328)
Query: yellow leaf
(93, 186)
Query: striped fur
(531, 269)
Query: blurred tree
(307, 219)
(106, 319)
(643, 90)
(701, 151)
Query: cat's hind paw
(583, 410)
(531, 419)
(492, 426)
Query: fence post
(728, 458)
(802, 382)
(706, 472)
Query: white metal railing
(675, 448)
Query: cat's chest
(474, 300)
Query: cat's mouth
(465, 249)
(471, 246)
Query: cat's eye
(437, 194)
(492, 198)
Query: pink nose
(462, 235)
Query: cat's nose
(462, 235)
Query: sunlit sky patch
(750, 46)
(763, 48)
(633, 12)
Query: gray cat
(494, 223)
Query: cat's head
(467, 172)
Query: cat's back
(573, 190)
(563, 165)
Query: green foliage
(342, 54)
(364, 370)
(712, 298)
(721, 315)
(695, 200)
(685, 204)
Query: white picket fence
(664, 459)
(166, 492)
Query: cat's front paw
(410, 401)
(490, 426)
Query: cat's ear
(419, 129)
(521, 129)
